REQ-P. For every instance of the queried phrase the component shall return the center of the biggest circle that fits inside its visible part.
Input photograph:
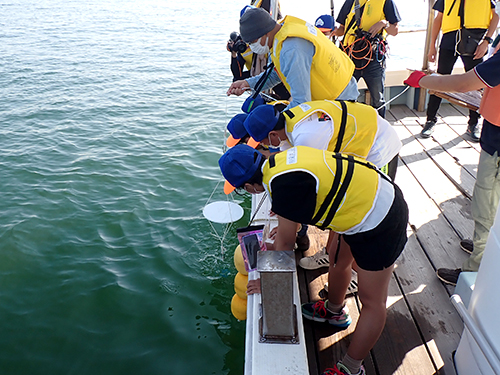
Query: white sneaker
(353, 285)
(318, 260)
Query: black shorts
(379, 248)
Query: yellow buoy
(240, 285)
(239, 307)
(239, 262)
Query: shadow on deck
(422, 331)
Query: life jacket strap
(343, 124)
(341, 193)
(330, 195)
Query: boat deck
(437, 177)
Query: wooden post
(425, 64)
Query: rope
(350, 51)
(380, 51)
(258, 208)
(397, 96)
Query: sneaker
(428, 129)
(340, 369)
(467, 246)
(473, 132)
(318, 312)
(302, 242)
(448, 276)
(318, 260)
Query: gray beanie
(254, 23)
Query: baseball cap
(254, 23)
(239, 164)
(251, 103)
(261, 121)
(238, 131)
(325, 22)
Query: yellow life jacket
(248, 56)
(489, 105)
(331, 69)
(477, 15)
(373, 12)
(354, 124)
(346, 190)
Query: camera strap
(262, 80)
(358, 13)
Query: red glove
(414, 79)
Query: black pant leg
(446, 60)
(470, 63)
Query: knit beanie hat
(254, 23)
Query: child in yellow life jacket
(341, 193)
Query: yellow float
(239, 307)
(239, 262)
(240, 285)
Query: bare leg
(339, 275)
(372, 286)
(332, 238)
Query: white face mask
(259, 49)
(280, 145)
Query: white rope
(397, 96)
(227, 227)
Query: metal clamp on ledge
(278, 323)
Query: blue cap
(261, 121)
(250, 103)
(325, 22)
(239, 164)
(245, 8)
(236, 127)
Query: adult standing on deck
(478, 14)
(306, 61)
(365, 24)
(486, 193)
(341, 193)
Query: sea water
(112, 118)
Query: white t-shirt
(317, 133)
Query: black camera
(235, 43)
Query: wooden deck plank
(457, 118)
(400, 349)
(431, 309)
(444, 137)
(449, 164)
(438, 185)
